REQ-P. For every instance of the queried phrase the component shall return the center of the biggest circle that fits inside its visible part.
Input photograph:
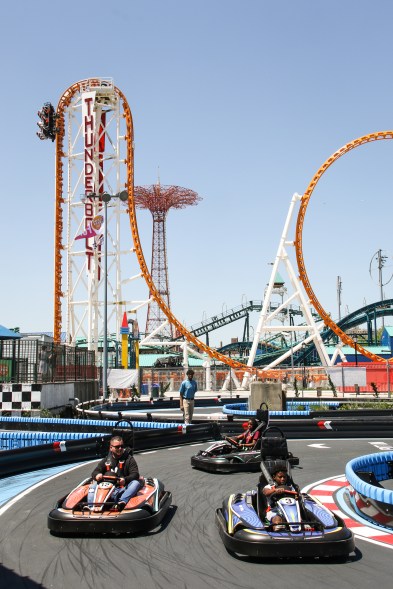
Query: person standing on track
(188, 388)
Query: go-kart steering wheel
(110, 478)
(233, 442)
(285, 493)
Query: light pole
(381, 259)
(355, 341)
(105, 198)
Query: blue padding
(313, 403)
(11, 440)
(88, 422)
(242, 409)
(376, 463)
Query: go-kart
(144, 512)
(308, 528)
(227, 455)
(81, 513)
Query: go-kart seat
(274, 447)
(262, 414)
(261, 502)
(261, 427)
(127, 433)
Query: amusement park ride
(93, 130)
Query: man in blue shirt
(188, 388)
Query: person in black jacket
(121, 462)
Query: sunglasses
(120, 446)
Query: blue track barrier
(13, 440)
(368, 498)
(25, 439)
(242, 408)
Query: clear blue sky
(239, 101)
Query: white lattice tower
(95, 150)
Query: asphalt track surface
(186, 552)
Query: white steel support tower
(309, 331)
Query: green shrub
(332, 386)
(367, 405)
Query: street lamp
(355, 341)
(105, 198)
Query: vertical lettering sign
(90, 172)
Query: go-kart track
(186, 551)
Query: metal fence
(34, 361)
(225, 378)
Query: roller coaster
(94, 143)
(271, 348)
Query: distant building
(387, 339)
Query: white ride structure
(94, 148)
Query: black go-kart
(227, 456)
(75, 515)
(307, 528)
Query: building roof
(348, 350)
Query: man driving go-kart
(121, 465)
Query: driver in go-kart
(280, 485)
(250, 437)
(121, 462)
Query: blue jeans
(119, 493)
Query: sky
(241, 102)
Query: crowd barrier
(367, 496)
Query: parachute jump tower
(159, 200)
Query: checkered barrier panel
(20, 397)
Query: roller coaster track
(345, 338)
(226, 318)
(365, 314)
(232, 315)
(65, 101)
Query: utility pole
(339, 289)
